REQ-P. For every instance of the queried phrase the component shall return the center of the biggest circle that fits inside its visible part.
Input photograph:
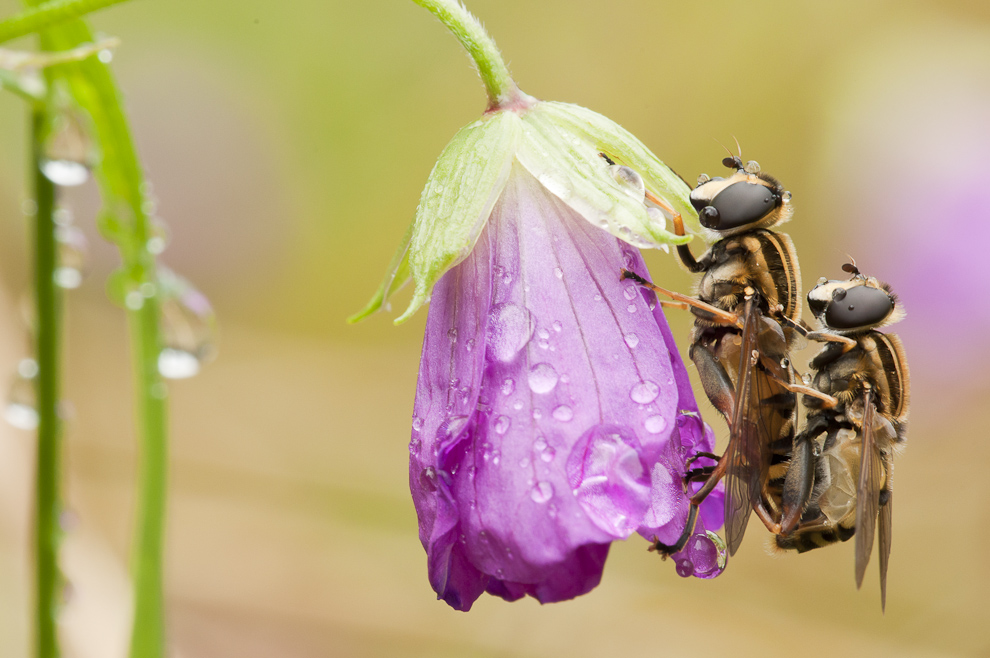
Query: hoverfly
(848, 484)
(750, 277)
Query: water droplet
(496, 457)
(188, 326)
(542, 492)
(708, 553)
(517, 405)
(631, 308)
(470, 345)
(456, 424)
(543, 333)
(644, 392)
(72, 255)
(105, 56)
(67, 150)
(537, 414)
(548, 454)
(629, 292)
(786, 196)
(510, 327)
(597, 297)
(609, 479)
(629, 180)
(21, 409)
(559, 273)
(563, 413)
(655, 424)
(542, 378)
(414, 446)
(685, 568)
(557, 326)
(452, 334)
(703, 178)
(508, 387)
(65, 172)
(632, 340)
(417, 423)
(428, 478)
(502, 424)
(752, 167)
(540, 444)
(524, 462)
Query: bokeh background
(288, 143)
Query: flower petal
(458, 198)
(578, 402)
(622, 146)
(450, 378)
(570, 167)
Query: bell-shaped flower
(553, 412)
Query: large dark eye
(861, 306)
(742, 203)
(708, 217)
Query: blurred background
(288, 144)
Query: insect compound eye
(861, 306)
(709, 217)
(742, 203)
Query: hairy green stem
(502, 90)
(47, 14)
(48, 467)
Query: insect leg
(682, 541)
(800, 479)
(700, 308)
(714, 379)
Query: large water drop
(510, 327)
(542, 378)
(188, 326)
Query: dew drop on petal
(508, 387)
(542, 378)
(540, 444)
(65, 173)
(655, 424)
(510, 327)
(73, 249)
(557, 326)
(417, 423)
(644, 392)
(502, 424)
(548, 454)
(542, 492)
(563, 413)
(629, 292)
(685, 568)
(708, 553)
(630, 180)
(559, 273)
(632, 340)
(631, 308)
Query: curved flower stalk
(553, 413)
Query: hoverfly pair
(809, 491)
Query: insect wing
(868, 491)
(886, 514)
(743, 466)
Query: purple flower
(553, 414)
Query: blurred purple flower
(553, 413)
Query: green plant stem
(47, 14)
(48, 467)
(120, 178)
(502, 90)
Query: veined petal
(569, 166)
(458, 198)
(622, 146)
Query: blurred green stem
(120, 177)
(48, 467)
(47, 14)
(502, 90)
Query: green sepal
(458, 198)
(623, 147)
(397, 275)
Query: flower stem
(47, 14)
(120, 177)
(502, 90)
(48, 467)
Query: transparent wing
(868, 491)
(886, 515)
(743, 454)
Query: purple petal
(548, 398)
